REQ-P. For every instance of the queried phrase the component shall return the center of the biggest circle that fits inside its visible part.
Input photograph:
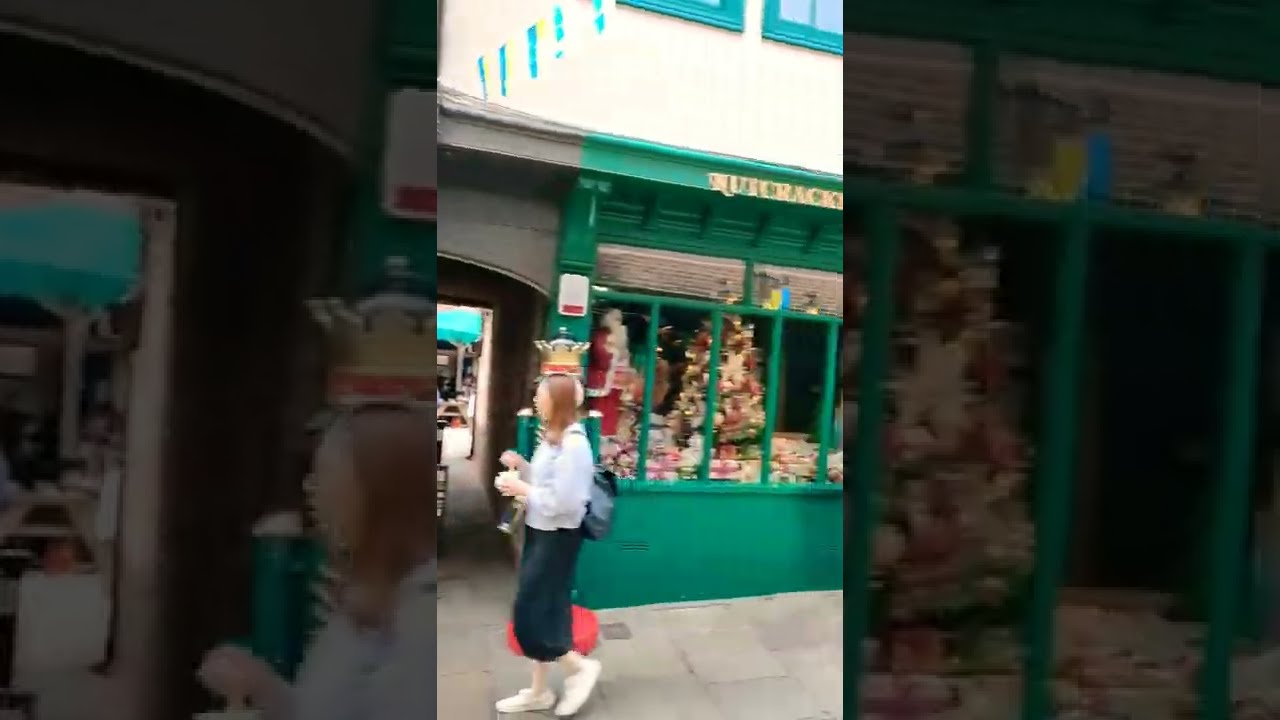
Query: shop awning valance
(69, 252)
(459, 326)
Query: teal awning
(459, 326)
(66, 252)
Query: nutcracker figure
(608, 371)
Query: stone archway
(518, 312)
(259, 224)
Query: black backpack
(598, 521)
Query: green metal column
(868, 460)
(279, 612)
(713, 394)
(1235, 474)
(827, 405)
(1056, 459)
(980, 124)
(577, 251)
(526, 433)
(650, 374)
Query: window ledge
(714, 487)
(801, 36)
(727, 17)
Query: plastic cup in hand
(505, 476)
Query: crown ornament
(381, 347)
(562, 355)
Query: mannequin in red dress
(608, 370)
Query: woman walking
(555, 488)
(376, 659)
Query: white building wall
(660, 78)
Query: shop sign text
(731, 185)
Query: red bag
(586, 633)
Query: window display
(700, 371)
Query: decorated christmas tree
(740, 410)
(956, 543)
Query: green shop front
(708, 287)
(1062, 335)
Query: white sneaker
(578, 687)
(526, 701)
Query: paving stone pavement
(770, 658)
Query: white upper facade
(760, 79)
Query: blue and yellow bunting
(543, 40)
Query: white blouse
(561, 476)
(355, 674)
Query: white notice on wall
(409, 181)
(575, 293)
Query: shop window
(726, 14)
(817, 24)
(954, 543)
(693, 402)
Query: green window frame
(728, 15)
(802, 34)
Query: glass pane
(906, 104)
(1179, 144)
(802, 368)
(955, 545)
(740, 398)
(1131, 621)
(797, 11)
(624, 420)
(680, 390)
(830, 15)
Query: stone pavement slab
(770, 658)
(776, 658)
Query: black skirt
(543, 616)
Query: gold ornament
(561, 355)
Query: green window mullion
(650, 371)
(713, 394)
(827, 408)
(868, 457)
(771, 397)
(1055, 465)
(1235, 473)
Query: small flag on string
(546, 39)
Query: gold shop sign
(731, 185)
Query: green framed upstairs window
(725, 14)
(816, 24)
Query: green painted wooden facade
(1136, 35)
(406, 57)
(696, 540)
(1224, 39)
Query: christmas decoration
(954, 497)
(677, 423)
(955, 544)
(608, 371)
